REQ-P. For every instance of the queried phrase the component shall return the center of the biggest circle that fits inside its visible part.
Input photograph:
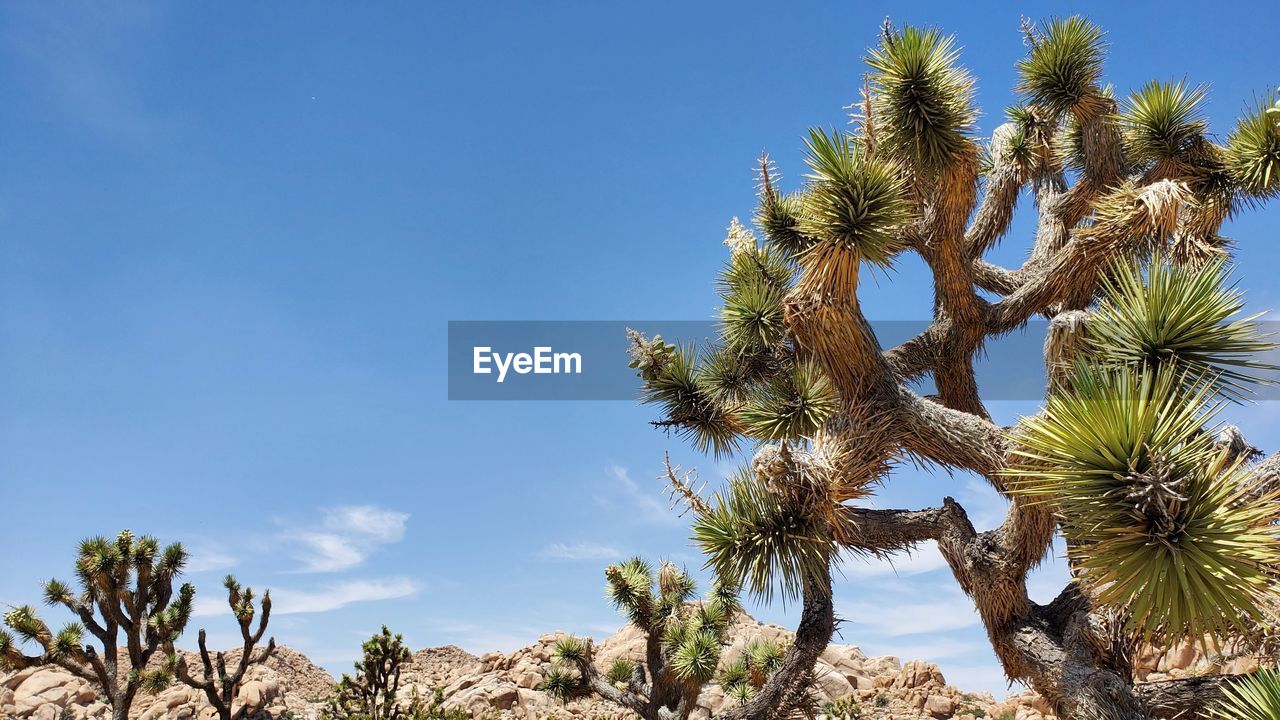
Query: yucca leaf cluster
(749, 383)
(1253, 150)
(1250, 697)
(1164, 122)
(854, 201)
(921, 99)
(1164, 524)
(776, 527)
(1062, 71)
(1187, 319)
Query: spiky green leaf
(921, 98)
(689, 404)
(629, 586)
(766, 655)
(1162, 121)
(561, 683)
(571, 649)
(855, 202)
(1182, 318)
(620, 671)
(753, 535)
(1250, 697)
(696, 658)
(1253, 152)
(790, 406)
(1157, 525)
(752, 316)
(779, 216)
(1064, 65)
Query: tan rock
(490, 692)
(940, 706)
(832, 685)
(918, 674)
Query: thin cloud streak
(897, 617)
(580, 551)
(348, 535)
(293, 601)
(648, 504)
(339, 595)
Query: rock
(45, 712)
(488, 693)
(883, 665)
(55, 689)
(504, 685)
(940, 706)
(919, 674)
(832, 685)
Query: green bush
(846, 708)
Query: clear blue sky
(231, 237)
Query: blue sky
(231, 238)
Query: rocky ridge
(497, 685)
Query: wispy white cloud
(210, 559)
(646, 503)
(932, 649)
(1047, 581)
(897, 615)
(338, 595)
(295, 601)
(580, 551)
(986, 507)
(924, 559)
(346, 537)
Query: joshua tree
(126, 590)
(219, 686)
(371, 693)
(1171, 532)
(683, 640)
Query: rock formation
(505, 685)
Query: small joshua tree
(126, 602)
(1171, 519)
(371, 693)
(683, 641)
(218, 685)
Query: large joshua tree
(126, 602)
(1170, 520)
